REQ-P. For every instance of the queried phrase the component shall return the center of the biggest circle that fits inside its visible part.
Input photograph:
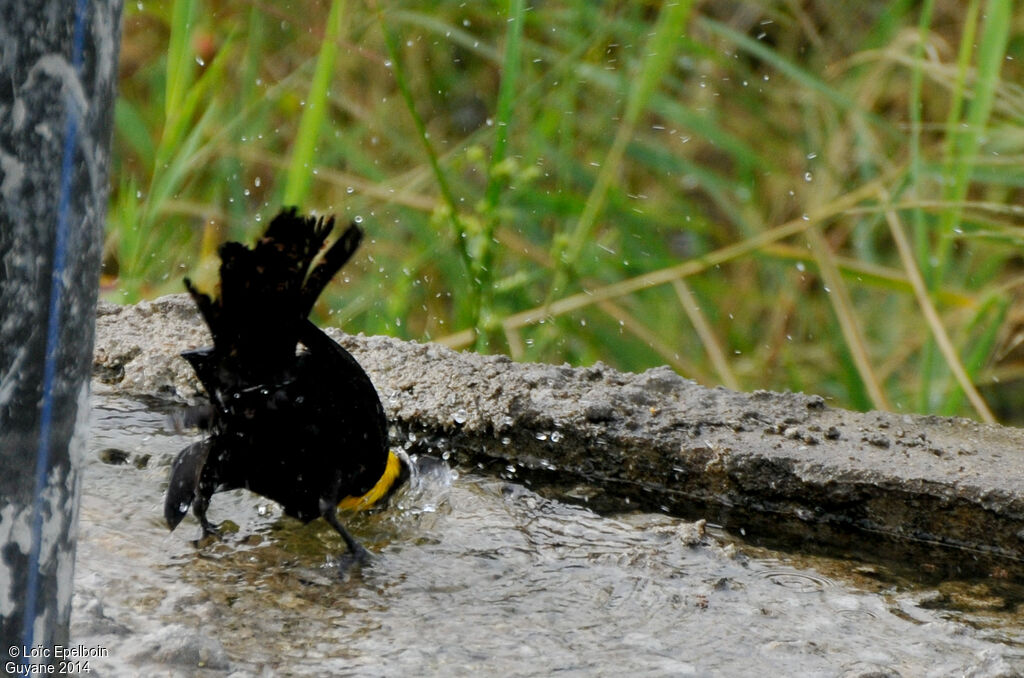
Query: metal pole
(58, 70)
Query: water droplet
(460, 416)
(556, 437)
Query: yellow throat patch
(383, 486)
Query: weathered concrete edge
(654, 440)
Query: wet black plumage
(303, 428)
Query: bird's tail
(266, 292)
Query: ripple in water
(801, 582)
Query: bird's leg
(356, 552)
(199, 509)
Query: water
(478, 575)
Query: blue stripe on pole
(53, 330)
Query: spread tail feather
(266, 292)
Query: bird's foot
(210, 535)
(353, 559)
(356, 555)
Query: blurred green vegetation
(819, 196)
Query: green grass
(759, 195)
(304, 147)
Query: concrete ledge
(781, 463)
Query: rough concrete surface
(766, 462)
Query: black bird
(303, 428)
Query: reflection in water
(474, 574)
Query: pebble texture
(771, 463)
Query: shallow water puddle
(477, 574)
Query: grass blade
(661, 48)
(180, 67)
(842, 306)
(303, 162)
(932, 317)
